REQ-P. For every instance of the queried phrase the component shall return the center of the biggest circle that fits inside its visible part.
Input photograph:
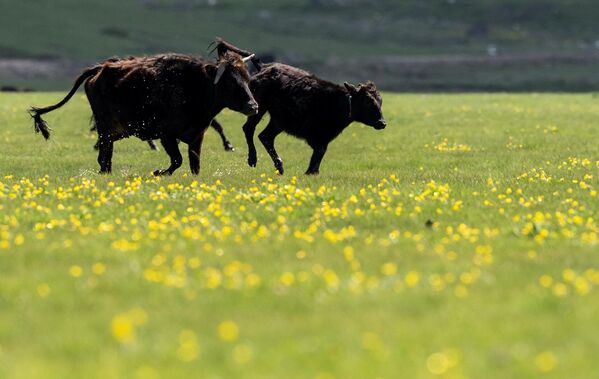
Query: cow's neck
(345, 107)
(215, 109)
(213, 106)
(341, 114)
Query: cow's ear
(350, 87)
(220, 70)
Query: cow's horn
(219, 72)
(246, 59)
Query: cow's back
(145, 79)
(150, 95)
(290, 94)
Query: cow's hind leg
(219, 129)
(248, 129)
(105, 148)
(194, 151)
(94, 127)
(317, 155)
(267, 137)
(92, 122)
(152, 145)
(172, 149)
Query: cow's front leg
(267, 137)
(219, 129)
(195, 148)
(105, 147)
(248, 129)
(172, 149)
(317, 155)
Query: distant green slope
(309, 33)
(309, 28)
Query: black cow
(168, 97)
(309, 108)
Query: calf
(168, 97)
(309, 108)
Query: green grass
(505, 289)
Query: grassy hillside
(66, 28)
(311, 32)
(243, 273)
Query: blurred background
(413, 45)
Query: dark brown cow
(168, 97)
(309, 108)
(214, 124)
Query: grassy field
(460, 242)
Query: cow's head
(231, 82)
(366, 102)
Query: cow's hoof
(252, 161)
(279, 166)
(161, 172)
(229, 147)
(312, 172)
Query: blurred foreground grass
(459, 242)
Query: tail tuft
(40, 126)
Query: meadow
(460, 242)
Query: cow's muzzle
(380, 124)
(250, 108)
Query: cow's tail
(40, 125)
